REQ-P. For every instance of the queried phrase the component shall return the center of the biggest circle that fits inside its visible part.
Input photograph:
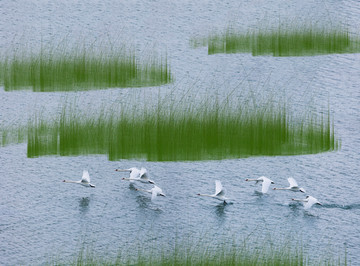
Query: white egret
(137, 175)
(219, 192)
(308, 202)
(155, 191)
(85, 180)
(265, 182)
(293, 186)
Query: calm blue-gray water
(42, 219)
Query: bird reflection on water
(132, 187)
(145, 203)
(84, 204)
(220, 210)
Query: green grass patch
(306, 40)
(12, 135)
(206, 131)
(69, 69)
(263, 254)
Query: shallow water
(42, 218)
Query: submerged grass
(204, 131)
(62, 69)
(284, 41)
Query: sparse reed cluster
(262, 254)
(11, 135)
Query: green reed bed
(225, 254)
(187, 256)
(284, 41)
(186, 132)
(64, 69)
(12, 135)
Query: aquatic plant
(61, 69)
(263, 254)
(12, 135)
(306, 40)
(206, 131)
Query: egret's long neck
(252, 179)
(123, 170)
(126, 178)
(206, 195)
(145, 190)
(71, 181)
(301, 200)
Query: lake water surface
(42, 218)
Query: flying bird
(155, 191)
(219, 192)
(85, 180)
(137, 175)
(265, 182)
(293, 186)
(308, 202)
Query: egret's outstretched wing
(155, 191)
(265, 185)
(143, 173)
(135, 173)
(153, 194)
(85, 177)
(310, 202)
(292, 182)
(219, 190)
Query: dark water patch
(343, 207)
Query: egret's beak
(122, 170)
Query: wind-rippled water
(42, 218)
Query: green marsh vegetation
(293, 40)
(262, 254)
(181, 131)
(12, 135)
(60, 68)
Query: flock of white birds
(141, 175)
(308, 202)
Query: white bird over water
(293, 186)
(155, 191)
(219, 192)
(308, 202)
(265, 182)
(85, 180)
(137, 175)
